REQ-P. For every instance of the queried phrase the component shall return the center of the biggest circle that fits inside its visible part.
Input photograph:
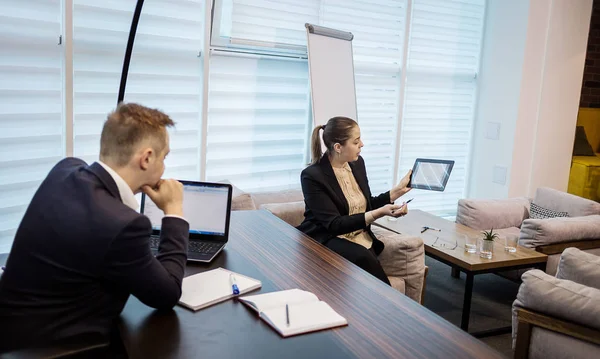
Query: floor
(490, 307)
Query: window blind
(378, 28)
(165, 72)
(257, 23)
(31, 115)
(439, 100)
(257, 121)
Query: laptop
(207, 208)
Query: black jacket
(78, 254)
(326, 215)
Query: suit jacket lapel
(105, 178)
(332, 181)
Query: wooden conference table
(382, 321)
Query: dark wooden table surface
(382, 321)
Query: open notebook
(306, 312)
(214, 286)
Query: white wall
(531, 73)
(498, 99)
(531, 88)
(562, 74)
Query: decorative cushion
(537, 232)
(281, 196)
(240, 200)
(492, 213)
(580, 267)
(559, 298)
(565, 202)
(538, 212)
(290, 212)
(563, 299)
(511, 231)
(402, 257)
(582, 147)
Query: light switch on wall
(492, 130)
(499, 175)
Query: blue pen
(234, 286)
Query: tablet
(430, 174)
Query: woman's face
(350, 150)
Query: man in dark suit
(82, 248)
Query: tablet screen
(430, 174)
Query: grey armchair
(559, 317)
(549, 236)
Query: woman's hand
(401, 189)
(402, 211)
(392, 210)
(404, 181)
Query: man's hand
(168, 196)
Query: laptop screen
(205, 207)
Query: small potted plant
(487, 244)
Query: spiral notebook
(292, 312)
(214, 286)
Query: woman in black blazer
(339, 205)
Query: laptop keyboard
(196, 247)
(204, 247)
(154, 241)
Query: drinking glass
(486, 248)
(470, 244)
(510, 243)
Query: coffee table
(469, 263)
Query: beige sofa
(550, 236)
(559, 317)
(403, 258)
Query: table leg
(542, 266)
(464, 322)
(455, 272)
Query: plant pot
(486, 248)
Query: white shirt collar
(127, 196)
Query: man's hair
(127, 126)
